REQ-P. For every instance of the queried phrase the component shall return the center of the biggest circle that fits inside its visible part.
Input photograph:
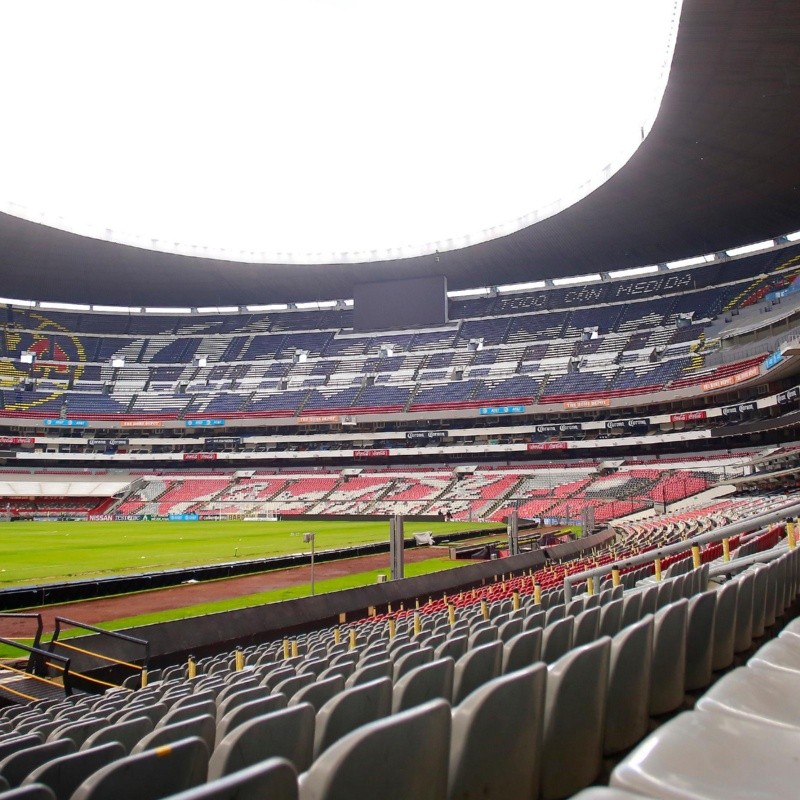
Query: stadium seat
(405, 663)
(610, 617)
(318, 693)
(126, 733)
(455, 647)
(631, 608)
(238, 698)
(700, 640)
(423, 683)
(64, 774)
(743, 635)
(203, 727)
(668, 668)
(557, 639)
(273, 779)
(497, 736)
(712, 756)
(627, 712)
(77, 732)
(33, 791)
(574, 720)
(724, 626)
(288, 733)
(16, 767)
(150, 775)
(586, 627)
(475, 668)
(396, 758)
(351, 709)
(242, 713)
(373, 672)
(522, 651)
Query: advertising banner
(597, 402)
(490, 410)
(66, 423)
(205, 423)
(370, 453)
(23, 440)
(547, 446)
(688, 416)
(140, 423)
(415, 436)
(199, 456)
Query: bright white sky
(320, 127)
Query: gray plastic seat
(290, 686)
(628, 704)
(535, 619)
(610, 618)
(557, 639)
(396, 758)
(288, 733)
(77, 732)
(239, 698)
(575, 702)
(607, 793)
(409, 661)
(664, 593)
(344, 668)
(371, 673)
(181, 713)
(475, 668)
(351, 709)
(126, 733)
(700, 640)
(724, 626)
(522, 651)
(712, 756)
(743, 637)
(631, 608)
(424, 683)
(274, 779)
(35, 791)
(154, 712)
(150, 775)
(454, 648)
(16, 767)
(554, 614)
(241, 714)
(17, 743)
(782, 653)
(63, 775)
(649, 600)
(586, 626)
(204, 727)
(508, 630)
(317, 694)
(483, 636)
(497, 736)
(668, 667)
(758, 693)
(760, 581)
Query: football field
(49, 552)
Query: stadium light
(117, 363)
(27, 357)
(201, 361)
(750, 248)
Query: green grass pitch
(34, 553)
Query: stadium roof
(720, 168)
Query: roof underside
(720, 168)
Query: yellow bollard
(484, 609)
(416, 603)
(337, 636)
(590, 586)
(791, 534)
(239, 659)
(515, 600)
(192, 667)
(696, 556)
(342, 618)
(388, 608)
(392, 628)
(657, 565)
(402, 607)
(417, 625)
(726, 549)
(615, 576)
(371, 611)
(451, 615)
(295, 652)
(537, 594)
(144, 678)
(285, 649)
(352, 639)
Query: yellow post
(285, 649)
(590, 586)
(371, 611)
(537, 594)
(726, 549)
(352, 638)
(696, 556)
(791, 534)
(388, 608)
(657, 565)
(416, 602)
(484, 609)
(615, 576)
(451, 615)
(337, 636)
(342, 618)
(392, 627)
(192, 667)
(239, 659)
(144, 677)
(294, 648)
(515, 600)
(417, 625)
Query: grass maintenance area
(49, 552)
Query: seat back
(357, 767)
(700, 640)
(724, 626)
(239, 698)
(241, 714)
(610, 618)
(557, 639)
(127, 733)
(522, 651)
(668, 668)
(424, 683)
(204, 727)
(574, 720)
(288, 733)
(475, 668)
(274, 778)
(408, 661)
(317, 694)
(373, 672)
(17, 766)
(743, 636)
(149, 775)
(497, 736)
(586, 626)
(454, 648)
(631, 608)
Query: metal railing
(724, 532)
(38, 659)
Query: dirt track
(106, 609)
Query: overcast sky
(320, 127)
